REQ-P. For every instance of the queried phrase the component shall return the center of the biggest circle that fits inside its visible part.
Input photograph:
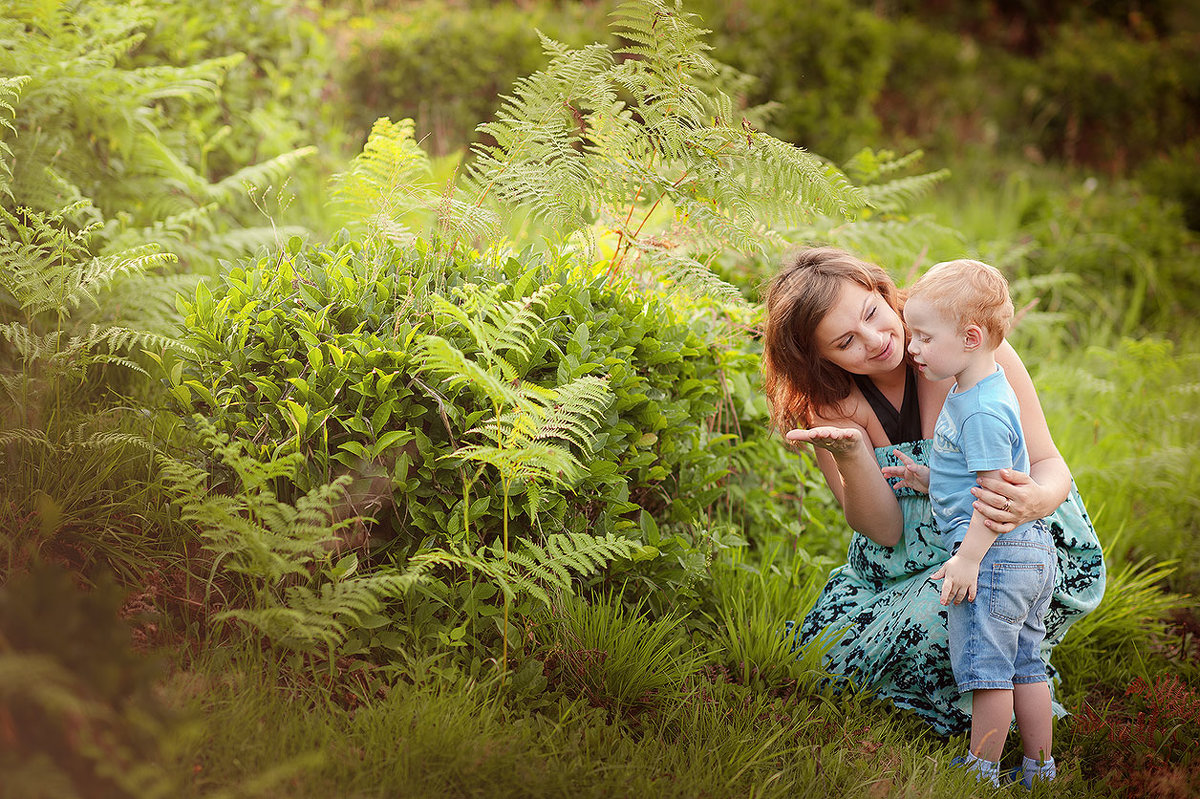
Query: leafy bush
(448, 67)
(346, 388)
(1175, 175)
(1133, 261)
(1102, 96)
(820, 64)
(129, 134)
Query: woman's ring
(1007, 502)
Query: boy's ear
(972, 337)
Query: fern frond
(389, 178)
(668, 51)
(113, 441)
(516, 322)
(871, 166)
(99, 273)
(168, 231)
(537, 460)
(322, 616)
(538, 160)
(28, 346)
(579, 411)
(196, 81)
(261, 175)
(10, 96)
(116, 339)
(565, 556)
(289, 626)
(469, 221)
(117, 360)
(694, 277)
(896, 196)
(798, 181)
(441, 358)
(251, 531)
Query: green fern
(387, 181)
(632, 143)
(535, 435)
(309, 618)
(281, 548)
(542, 572)
(108, 129)
(884, 227)
(10, 95)
(566, 556)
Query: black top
(902, 425)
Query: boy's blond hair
(970, 292)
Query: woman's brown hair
(797, 380)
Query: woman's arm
(1015, 498)
(853, 475)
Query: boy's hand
(962, 580)
(838, 440)
(912, 474)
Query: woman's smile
(861, 333)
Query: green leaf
(393, 438)
(203, 391)
(298, 416)
(356, 449)
(345, 567)
(649, 528)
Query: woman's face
(861, 333)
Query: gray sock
(1033, 770)
(987, 770)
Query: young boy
(958, 314)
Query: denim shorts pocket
(1015, 588)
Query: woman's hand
(1009, 500)
(837, 440)
(912, 474)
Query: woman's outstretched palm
(837, 440)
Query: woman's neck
(891, 384)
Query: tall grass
(1126, 419)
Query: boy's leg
(1031, 702)
(991, 715)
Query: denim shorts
(996, 640)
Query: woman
(837, 375)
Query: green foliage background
(475, 435)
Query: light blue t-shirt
(978, 429)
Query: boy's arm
(962, 570)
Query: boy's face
(938, 347)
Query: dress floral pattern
(888, 626)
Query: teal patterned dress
(889, 626)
